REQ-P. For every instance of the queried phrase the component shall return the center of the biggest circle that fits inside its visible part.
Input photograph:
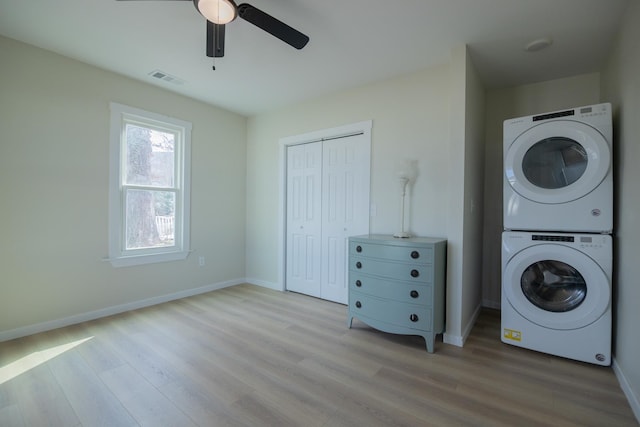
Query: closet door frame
(363, 128)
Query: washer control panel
(590, 241)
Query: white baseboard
(634, 400)
(456, 340)
(108, 311)
(265, 284)
(459, 340)
(467, 330)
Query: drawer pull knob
(358, 283)
(413, 317)
(358, 264)
(414, 273)
(415, 254)
(358, 248)
(358, 304)
(414, 294)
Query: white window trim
(117, 255)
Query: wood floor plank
(142, 400)
(38, 388)
(363, 397)
(247, 356)
(203, 406)
(91, 400)
(11, 415)
(96, 351)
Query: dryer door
(556, 286)
(557, 162)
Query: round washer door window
(556, 286)
(553, 286)
(557, 162)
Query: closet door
(345, 208)
(304, 225)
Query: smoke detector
(538, 44)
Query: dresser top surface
(400, 241)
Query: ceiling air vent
(161, 75)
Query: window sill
(129, 261)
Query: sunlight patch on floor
(34, 359)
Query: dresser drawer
(413, 293)
(394, 270)
(411, 316)
(420, 255)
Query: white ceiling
(353, 42)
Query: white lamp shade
(406, 169)
(217, 11)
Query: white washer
(556, 294)
(558, 171)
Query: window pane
(150, 157)
(150, 217)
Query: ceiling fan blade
(215, 40)
(272, 26)
(153, 0)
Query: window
(148, 188)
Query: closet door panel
(304, 223)
(345, 208)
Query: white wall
(621, 86)
(54, 118)
(504, 104)
(473, 197)
(464, 214)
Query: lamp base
(402, 235)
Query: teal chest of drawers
(398, 285)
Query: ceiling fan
(221, 12)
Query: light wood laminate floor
(249, 356)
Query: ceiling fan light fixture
(217, 11)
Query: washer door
(556, 286)
(557, 162)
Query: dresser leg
(430, 341)
(349, 321)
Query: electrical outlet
(201, 261)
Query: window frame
(119, 256)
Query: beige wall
(504, 104)
(621, 86)
(54, 118)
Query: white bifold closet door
(327, 201)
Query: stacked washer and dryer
(557, 252)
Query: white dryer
(558, 171)
(556, 294)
